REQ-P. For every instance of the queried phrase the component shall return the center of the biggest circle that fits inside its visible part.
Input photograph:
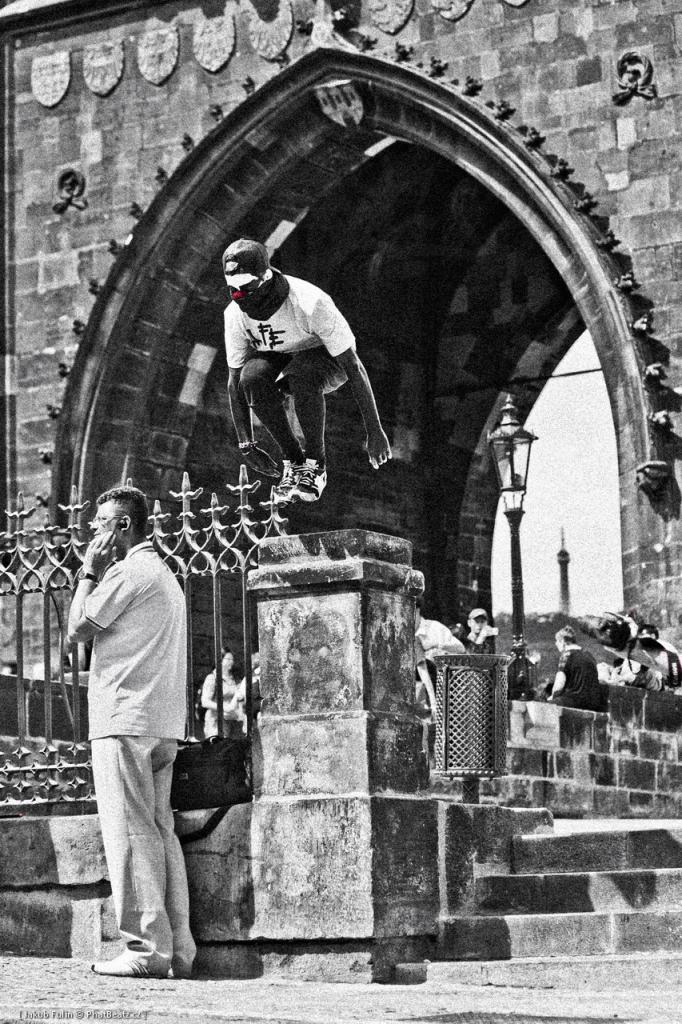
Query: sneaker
(283, 490)
(312, 480)
(127, 966)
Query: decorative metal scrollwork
(48, 763)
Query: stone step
(662, 971)
(60, 922)
(573, 892)
(597, 851)
(508, 936)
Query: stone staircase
(601, 907)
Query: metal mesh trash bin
(471, 715)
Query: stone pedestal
(338, 855)
(351, 848)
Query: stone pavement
(66, 990)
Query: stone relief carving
(70, 189)
(635, 74)
(269, 24)
(390, 15)
(341, 102)
(325, 22)
(50, 77)
(157, 53)
(214, 40)
(453, 10)
(324, 27)
(103, 67)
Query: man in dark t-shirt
(576, 684)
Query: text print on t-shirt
(269, 337)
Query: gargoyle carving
(653, 477)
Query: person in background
(576, 684)
(434, 637)
(256, 700)
(431, 639)
(234, 701)
(481, 636)
(664, 654)
(626, 671)
(458, 630)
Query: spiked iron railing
(46, 768)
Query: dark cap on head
(246, 256)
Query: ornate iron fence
(44, 755)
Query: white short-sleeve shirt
(138, 672)
(306, 319)
(434, 636)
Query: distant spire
(563, 558)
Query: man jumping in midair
(286, 336)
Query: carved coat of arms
(341, 102)
(103, 67)
(451, 10)
(50, 77)
(390, 15)
(213, 42)
(157, 53)
(269, 37)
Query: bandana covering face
(258, 289)
(266, 299)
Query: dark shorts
(312, 370)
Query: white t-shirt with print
(139, 662)
(306, 319)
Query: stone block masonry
(555, 64)
(623, 762)
(343, 847)
(54, 888)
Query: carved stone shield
(341, 102)
(103, 67)
(213, 42)
(516, 3)
(451, 10)
(157, 53)
(269, 38)
(50, 77)
(390, 15)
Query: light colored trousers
(133, 777)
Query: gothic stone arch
(133, 393)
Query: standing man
(284, 335)
(128, 600)
(576, 684)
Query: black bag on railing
(210, 773)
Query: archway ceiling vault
(268, 163)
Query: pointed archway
(151, 348)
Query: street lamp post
(510, 445)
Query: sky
(572, 483)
